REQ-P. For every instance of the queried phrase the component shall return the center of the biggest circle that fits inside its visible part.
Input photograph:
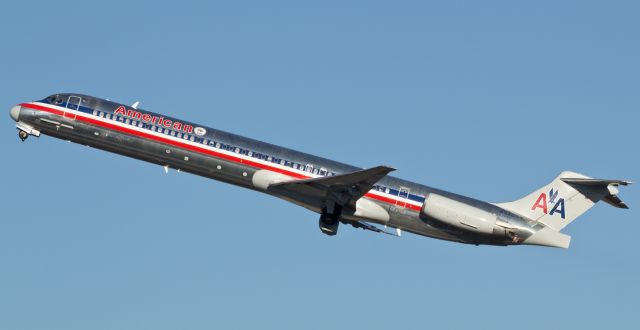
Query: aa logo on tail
(543, 201)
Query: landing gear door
(73, 103)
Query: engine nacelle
(458, 214)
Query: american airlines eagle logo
(200, 131)
(545, 200)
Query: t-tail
(561, 202)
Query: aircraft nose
(15, 112)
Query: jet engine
(458, 214)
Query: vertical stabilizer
(564, 199)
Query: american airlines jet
(340, 193)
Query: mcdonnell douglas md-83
(340, 193)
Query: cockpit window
(49, 99)
(61, 99)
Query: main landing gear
(23, 135)
(330, 219)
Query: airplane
(363, 198)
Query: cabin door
(403, 194)
(73, 103)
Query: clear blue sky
(489, 99)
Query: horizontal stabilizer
(596, 182)
(607, 188)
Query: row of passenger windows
(381, 188)
(219, 145)
(309, 168)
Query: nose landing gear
(23, 135)
(25, 130)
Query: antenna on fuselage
(135, 104)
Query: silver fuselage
(234, 159)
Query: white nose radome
(15, 112)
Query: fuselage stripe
(78, 115)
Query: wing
(343, 189)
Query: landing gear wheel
(23, 135)
(328, 224)
(330, 219)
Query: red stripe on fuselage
(201, 150)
